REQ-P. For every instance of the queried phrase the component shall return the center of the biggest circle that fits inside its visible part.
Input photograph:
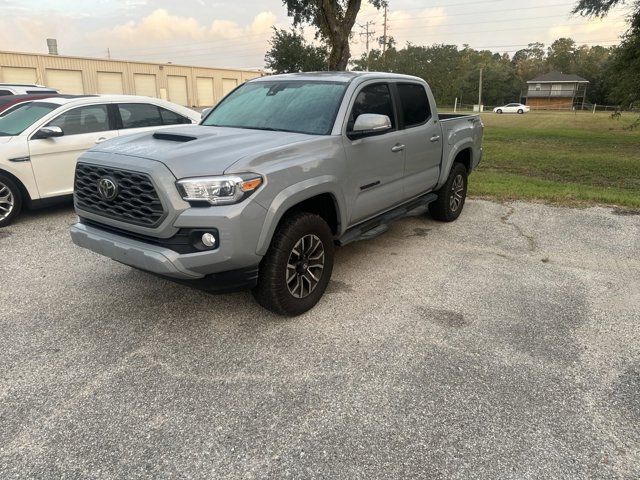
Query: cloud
(159, 25)
(595, 30)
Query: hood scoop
(173, 137)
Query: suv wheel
(297, 268)
(451, 195)
(10, 200)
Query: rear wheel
(10, 200)
(451, 196)
(297, 268)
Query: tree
(290, 53)
(625, 62)
(561, 55)
(333, 20)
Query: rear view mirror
(49, 132)
(369, 124)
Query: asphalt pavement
(505, 345)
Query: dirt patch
(623, 212)
(443, 318)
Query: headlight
(223, 190)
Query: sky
(225, 33)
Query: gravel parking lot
(502, 346)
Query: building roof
(558, 77)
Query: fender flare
(464, 144)
(295, 194)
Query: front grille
(136, 202)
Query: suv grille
(136, 200)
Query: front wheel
(520, 112)
(451, 196)
(297, 268)
(499, 111)
(10, 201)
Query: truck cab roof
(344, 77)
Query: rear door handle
(397, 148)
(101, 139)
(435, 138)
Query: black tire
(445, 209)
(273, 291)
(10, 200)
(520, 112)
(499, 111)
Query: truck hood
(198, 150)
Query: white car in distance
(512, 108)
(40, 142)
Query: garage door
(19, 75)
(145, 84)
(205, 91)
(177, 89)
(66, 81)
(110, 83)
(228, 84)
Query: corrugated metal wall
(18, 67)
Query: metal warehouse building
(185, 85)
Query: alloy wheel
(6, 201)
(305, 266)
(457, 191)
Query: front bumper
(210, 270)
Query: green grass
(561, 158)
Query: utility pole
(384, 35)
(367, 34)
(480, 93)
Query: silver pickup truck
(281, 171)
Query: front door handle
(101, 139)
(397, 148)
(435, 138)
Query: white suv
(40, 142)
(23, 89)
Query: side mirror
(369, 124)
(205, 112)
(48, 132)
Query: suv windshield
(18, 121)
(296, 106)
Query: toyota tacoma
(284, 169)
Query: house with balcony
(556, 91)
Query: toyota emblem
(107, 188)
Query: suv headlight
(222, 190)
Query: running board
(380, 224)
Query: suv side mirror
(205, 112)
(370, 124)
(48, 132)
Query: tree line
(453, 72)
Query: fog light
(209, 240)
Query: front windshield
(18, 121)
(296, 106)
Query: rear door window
(4, 93)
(138, 115)
(414, 104)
